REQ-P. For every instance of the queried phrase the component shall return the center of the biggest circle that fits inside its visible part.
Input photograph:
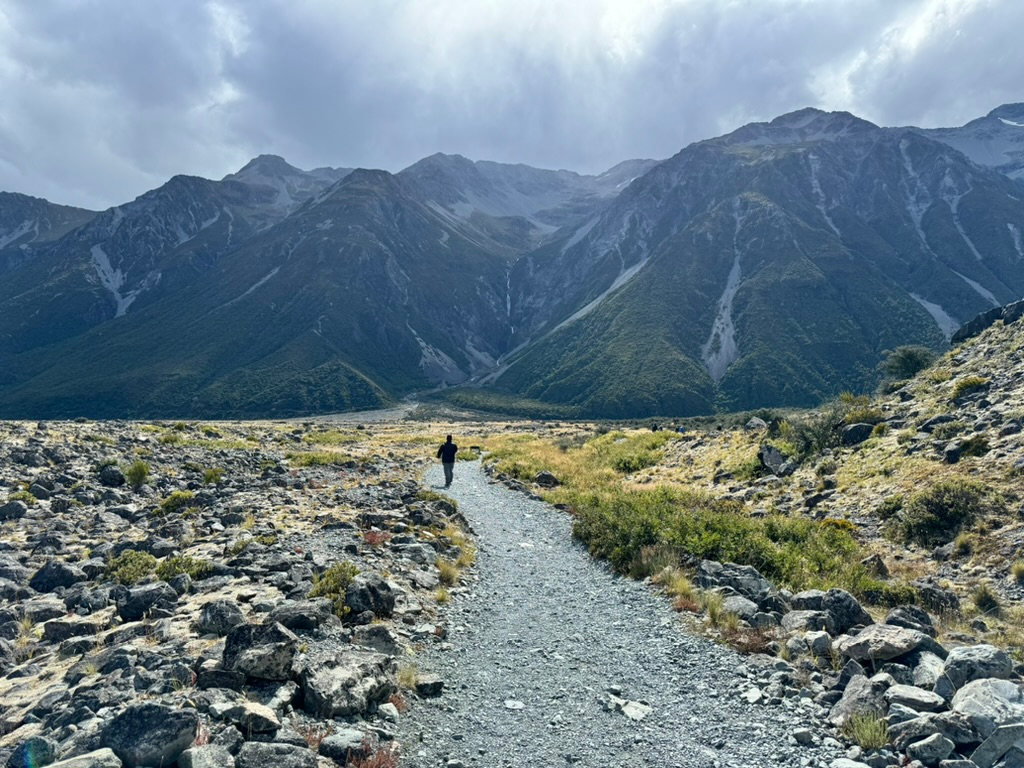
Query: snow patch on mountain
(946, 323)
(1015, 234)
(981, 290)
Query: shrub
(169, 438)
(408, 676)
(968, 385)
(906, 362)
(937, 514)
(986, 600)
(24, 496)
(890, 506)
(1017, 571)
(131, 566)
(213, 476)
(889, 594)
(651, 560)
(447, 572)
(975, 445)
(868, 730)
(137, 474)
(332, 584)
(176, 501)
(194, 567)
(318, 459)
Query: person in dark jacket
(446, 453)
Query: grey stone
(150, 734)
(546, 480)
(347, 684)
(55, 575)
(927, 669)
(911, 617)
(744, 579)
(13, 510)
(264, 651)
(378, 638)
(916, 698)
(32, 752)
(799, 621)
(741, 606)
(303, 614)
(345, 745)
(111, 476)
(254, 754)
(219, 617)
(206, 756)
(881, 642)
(854, 434)
(429, 685)
(845, 762)
(930, 750)
(773, 460)
(861, 696)
(369, 592)
(997, 744)
(820, 644)
(139, 602)
(972, 662)
(953, 725)
(989, 704)
(100, 758)
(252, 717)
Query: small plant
(213, 476)
(1017, 571)
(376, 757)
(442, 596)
(194, 567)
(202, 734)
(425, 495)
(376, 538)
(653, 559)
(968, 385)
(313, 733)
(447, 572)
(713, 605)
(24, 496)
(248, 522)
(408, 676)
(399, 702)
(169, 438)
(986, 600)
(881, 430)
(136, 473)
(963, 545)
(332, 584)
(868, 730)
(975, 445)
(176, 501)
(131, 566)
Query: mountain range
(768, 267)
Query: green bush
(194, 567)
(136, 473)
(131, 566)
(868, 730)
(318, 459)
(177, 501)
(24, 496)
(975, 445)
(906, 362)
(937, 514)
(968, 385)
(332, 584)
(213, 476)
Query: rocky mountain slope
(26, 223)
(768, 267)
(995, 141)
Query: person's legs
(448, 471)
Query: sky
(103, 100)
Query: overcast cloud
(105, 99)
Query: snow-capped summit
(996, 140)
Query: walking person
(446, 453)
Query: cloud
(105, 99)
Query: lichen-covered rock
(264, 651)
(349, 684)
(150, 735)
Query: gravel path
(544, 632)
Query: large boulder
(862, 696)
(262, 651)
(13, 510)
(100, 758)
(990, 703)
(997, 744)
(137, 603)
(953, 725)
(773, 460)
(302, 614)
(854, 434)
(255, 754)
(349, 684)
(369, 592)
(742, 579)
(881, 642)
(150, 735)
(972, 662)
(843, 607)
(219, 617)
(206, 756)
(911, 617)
(33, 751)
(55, 575)
(917, 699)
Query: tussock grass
(867, 730)
(447, 572)
(318, 458)
(332, 437)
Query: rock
(990, 703)
(911, 617)
(927, 669)
(263, 651)
(55, 575)
(799, 621)
(111, 476)
(969, 663)
(862, 696)
(997, 744)
(546, 480)
(378, 638)
(854, 434)
(100, 758)
(254, 754)
(744, 579)
(13, 510)
(930, 750)
(917, 699)
(875, 566)
(33, 752)
(219, 617)
(935, 597)
(303, 614)
(951, 453)
(150, 734)
(369, 592)
(755, 424)
(740, 606)
(774, 461)
(253, 718)
(819, 643)
(207, 756)
(346, 745)
(347, 685)
(139, 602)
(803, 736)
(429, 685)
(845, 762)
(59, 630)
(881, 642)
(953, 725)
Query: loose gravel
(541, 635)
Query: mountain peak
(264, 166)
(807, 124)
(1011, 114)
